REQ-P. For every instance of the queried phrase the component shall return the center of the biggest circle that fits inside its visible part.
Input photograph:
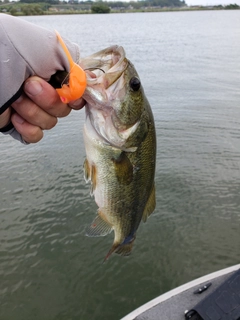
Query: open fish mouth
(107, 65)
(105, 91)
(110, 97)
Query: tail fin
(122, 249)
(125, 249)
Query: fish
(120, 143)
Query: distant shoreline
(31, 9)
(145, 10)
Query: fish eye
(135, 84)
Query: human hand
(37, 110)
(5, 118)
(23, 58)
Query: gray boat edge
(178, 290)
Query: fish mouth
(104, 93)
(111, 60)
(107, 65)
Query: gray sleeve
(26, 50)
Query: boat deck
(173, 304)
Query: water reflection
(48, 268)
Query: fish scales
(120, 143)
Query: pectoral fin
(123, 168)
(98, 228)
(87, 171)
(90, 174)
(150, 205)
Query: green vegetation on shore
(47, 7)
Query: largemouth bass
(120, 142)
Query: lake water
(189, 64)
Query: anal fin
(98, 228)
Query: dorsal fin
(150, 205)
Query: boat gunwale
(169, 294)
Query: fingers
(34, 114)
(5, 118)
(46, 97)
(38, 111)
(30, 120)
(30, 133)
(39, 108)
